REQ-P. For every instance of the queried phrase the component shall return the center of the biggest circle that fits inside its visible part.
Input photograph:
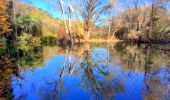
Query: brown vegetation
(4, 24)
(146, 23)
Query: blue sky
(44, 5)
(52, 9)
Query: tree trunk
(87, 36)
(69, 28)
(14, 17)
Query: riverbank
(97, 40)
(119, 40)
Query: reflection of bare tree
(103, 81)
(150, 60)
(59, 85)
(82, 63)
(99, 87)
(157, 86)
(67, 66)
(142, 58)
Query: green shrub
(25, 38)
(121, 33)
(49, 40)
(2, 41)
(25, 41)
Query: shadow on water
(88, 71)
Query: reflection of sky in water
(44, 82)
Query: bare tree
(67, 10)
(14, 17)
(91, 12)
(112, 4)
(155, 7)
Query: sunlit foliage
(4, 24)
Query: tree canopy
(4, 24)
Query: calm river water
(86, 72)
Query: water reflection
(92, 71)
